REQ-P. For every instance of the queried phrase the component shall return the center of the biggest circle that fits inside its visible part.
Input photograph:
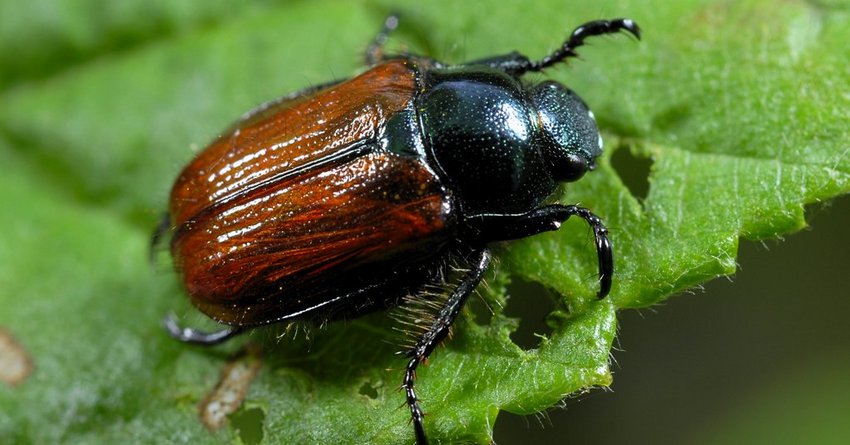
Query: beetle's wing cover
(284, 135)
(284, 214)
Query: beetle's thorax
(484, 137)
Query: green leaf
(740, 107)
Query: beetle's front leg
(517, 64)
(502, 227)
(513, 63)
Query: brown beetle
(347, 197)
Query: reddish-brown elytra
(350, 196)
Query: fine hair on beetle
(384, 190)
(418, 310)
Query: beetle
(355, 195)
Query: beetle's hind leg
(436, 332)
(375, 52)
(193, 336)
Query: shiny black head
(502, 146)
(570, 141)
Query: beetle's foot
(196, 337)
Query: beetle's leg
(589, 29)
(189, 335)
(375, 52)
(437, 332)
(159, 236)
(500, 227)
(518, 64)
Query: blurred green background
(764, 358)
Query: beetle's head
(571, 140)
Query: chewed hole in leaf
(531, 303)
(368, 390)
(633, 171)
(249, 424)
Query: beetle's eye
(567, 167)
